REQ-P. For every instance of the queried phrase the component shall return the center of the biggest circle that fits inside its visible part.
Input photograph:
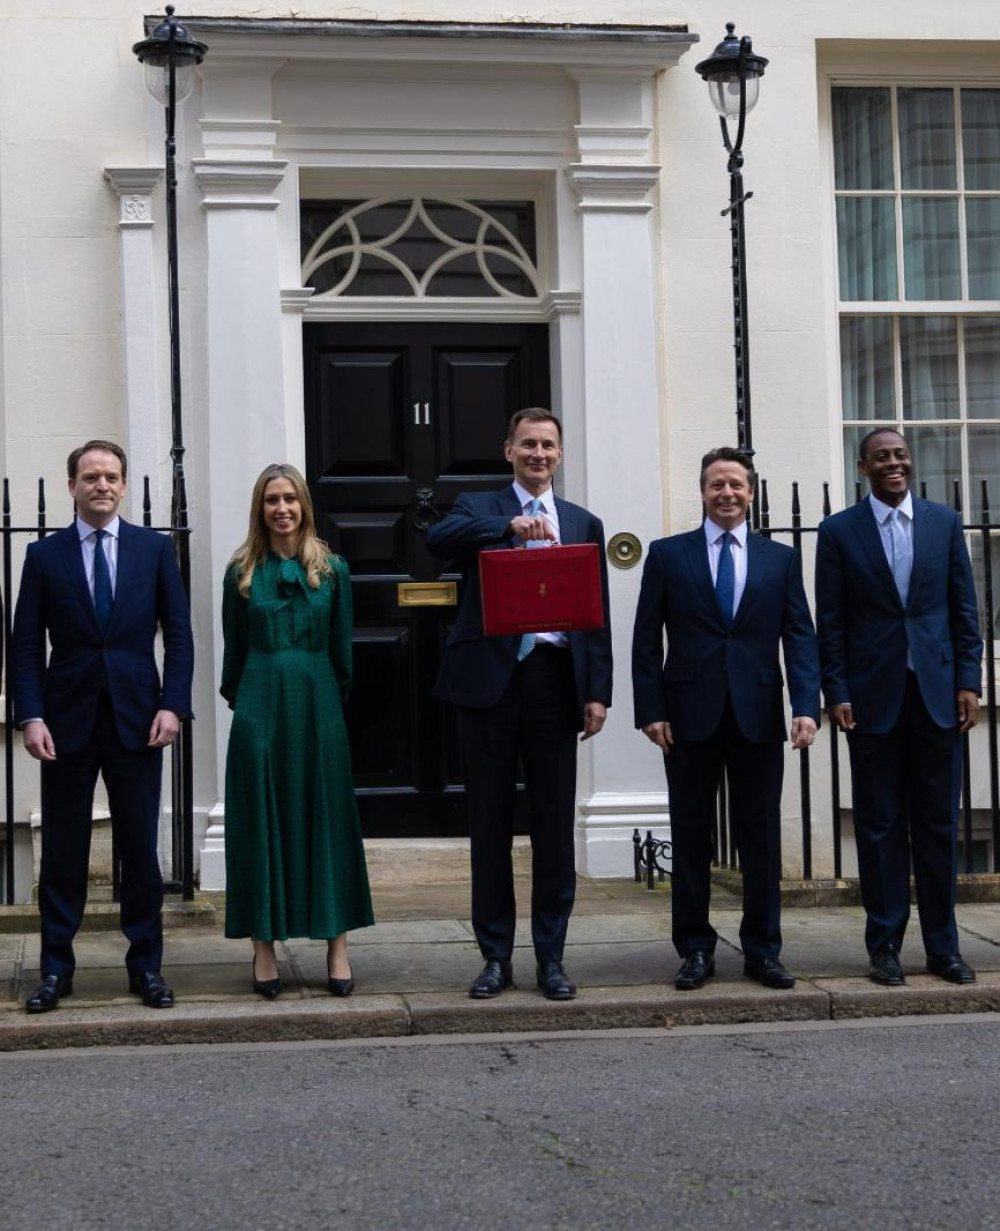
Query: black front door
(401, 418)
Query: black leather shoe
(270, 989)
(46, 995)
(950, 967)
(769, 971)
(340, 987)
(553, 981)
(155, 991)
(492, 979)
(885, 967)
(696, 969)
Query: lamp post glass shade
(170, 44)
(725, 95)
(732, 61)
(158, 81)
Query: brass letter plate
(427, 594)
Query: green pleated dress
(295, 863)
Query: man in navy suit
(727, 599)
(98, 590)
(526, 697)
(900, 652)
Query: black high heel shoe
(270, 989)
(340, 987)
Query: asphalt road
(875, 1124)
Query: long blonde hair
(311, 552)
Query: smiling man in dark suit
(98, 590)
(727, 599)
(527, 697)
(900, 651)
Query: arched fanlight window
(420, 248)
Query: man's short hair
(532, 414)
(869, 436)
(727, 453)
(105, 446)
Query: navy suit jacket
(865, 632)
(706, 661)
(55, 599)
(476, 669)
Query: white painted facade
(615, 142)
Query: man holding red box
(526, 696)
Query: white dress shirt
(551, 515)
(88, 544)
(883, 512)
(713, 540)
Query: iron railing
(181, 879)
(987, 533)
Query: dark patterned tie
(103, 596)
(725, 579)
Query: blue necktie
(902, 555)
(725, 579)
(103, 596)
(531, 509)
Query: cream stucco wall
(72, 102)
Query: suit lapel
(126, 567)
(696, 552)
(866, 528)
(756, 564)
(508, 502)
(72, 557)
(570, 526)
(922, 530)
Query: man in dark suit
(726, 598)
(526, 697)
(98, 590)
(900, 652)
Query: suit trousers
(754, 774)
(535, 719)
(905, 799)
(132, 779)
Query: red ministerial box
(541, 589)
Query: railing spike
(826, 500)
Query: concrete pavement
(413, 966)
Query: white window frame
(899, 67)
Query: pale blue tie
(902, 555)
(531, 509)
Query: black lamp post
(733, 72)
(169, 56)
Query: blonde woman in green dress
(295, 863)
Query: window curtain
(866, 227)
(866, 376)
(929, 351)
(862, 139)
(981, 139)
(982, 369)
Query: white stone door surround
(563, 115)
